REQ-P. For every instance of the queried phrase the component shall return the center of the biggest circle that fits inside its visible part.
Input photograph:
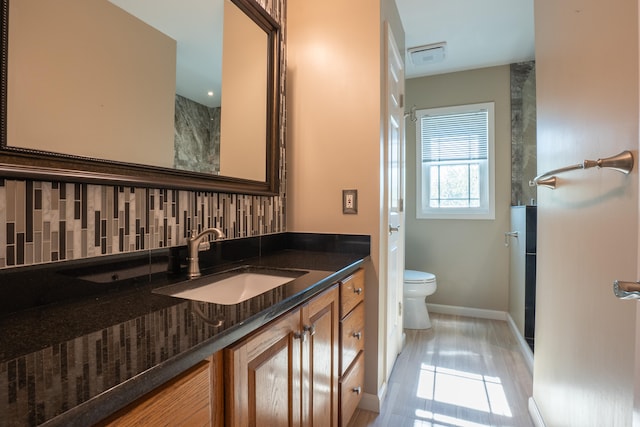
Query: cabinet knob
(311, 329)
(357, 335)
(357, 390)
(357, 291)
(302, 336)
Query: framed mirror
(132, 99)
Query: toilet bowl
(417, 286)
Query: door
(394, 196)
(588, 226)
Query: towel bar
(622, 162)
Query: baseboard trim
(534, 413)
(467, 311)
(371, 402)
(524, 347)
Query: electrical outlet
(349, 201)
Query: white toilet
(417, 286)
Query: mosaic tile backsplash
(53, 221)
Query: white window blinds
(455, 137)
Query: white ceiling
(478, 33)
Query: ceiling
(478, 33)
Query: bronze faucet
(196, 244)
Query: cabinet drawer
(351, 388)
(351, 292)
(351, 336)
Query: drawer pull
(357, 390)
(357, 291)
(311, 329)
(357, 335)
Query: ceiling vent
(427, 54)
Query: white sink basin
(227, 290)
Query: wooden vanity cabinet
(351, 344)
(286, 374)
(305, 368)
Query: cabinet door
(263, 376)
(216, 368)
(183, 401)
(320, 360)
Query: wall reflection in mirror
(163, 83)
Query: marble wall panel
(523, 133)
(197, 137)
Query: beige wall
(587, 227)
(55, 102)
(333, 125)
(468, 257)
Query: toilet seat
(413, 276)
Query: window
(455, 151)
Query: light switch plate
(349, 201)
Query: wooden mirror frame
(22, 163)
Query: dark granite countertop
(81, 340)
